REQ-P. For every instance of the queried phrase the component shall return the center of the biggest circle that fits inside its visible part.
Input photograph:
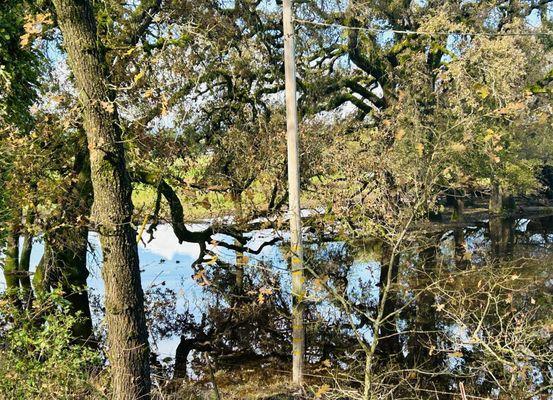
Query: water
(352, 269)
(164, 262)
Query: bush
(39, 357)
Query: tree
(19, 75)
(127, 334)
(402, 80)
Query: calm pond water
(166, 264)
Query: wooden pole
(298, 331)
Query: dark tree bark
(501, 202)
(455, 199)
(24, 267)
(11, 264)
(16, 265)
(124, 298)
(68, 261)
(69, 248)
(460, 249)
(501, 231)
(64, 265)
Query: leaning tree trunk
(124, 299)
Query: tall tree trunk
(181, 358)
(124, 298)
(39, 276)
(24, 268)
(500, 202)
(496, 199)
(64, 265)
(240, 259)
(11, 263)
(69, 248)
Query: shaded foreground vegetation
(426, 174)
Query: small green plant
(39, 358)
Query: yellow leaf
(420, 149)
(24, 39)
(324, 389)
(43, 19)
(482, 91)
(57, 98)
(263, 293)
(489, 135)
(320, 282)
(511, 108)
(138, 76)
(432, 350)
(260, 298)
(129, 51)
(200, 276)
(164, 104)
(266, 291)
(400, 134)
(31, 28)
(212, 261)
(458, 147)
(412, 375)
(243, 260)
(455, 354)
(148, 93)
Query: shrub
(39, 357)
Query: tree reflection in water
(467, 304)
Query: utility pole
(298, 291)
